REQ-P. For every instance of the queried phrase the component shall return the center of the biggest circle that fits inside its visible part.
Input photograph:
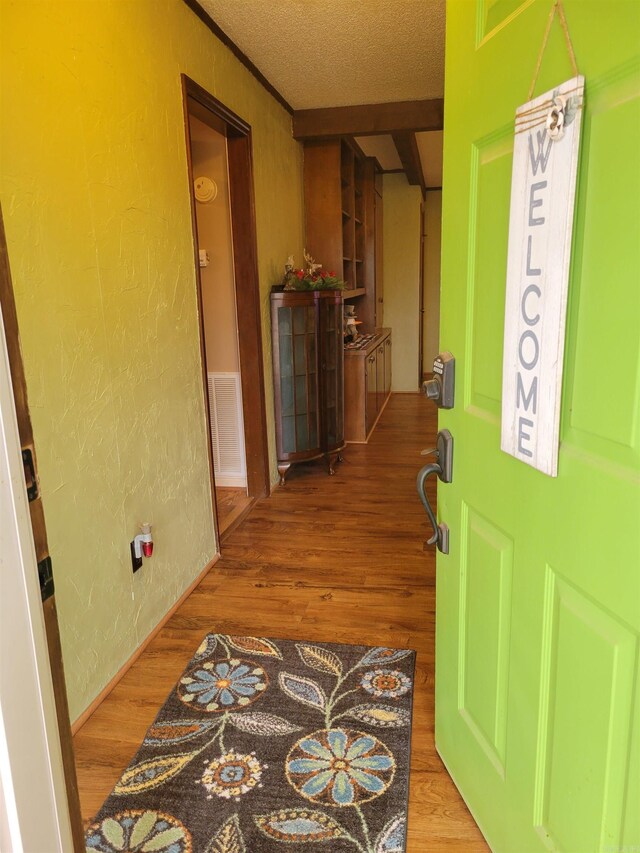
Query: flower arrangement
(312, 277)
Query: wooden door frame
(247, 286)
(9, 320)
(421, 308)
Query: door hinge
(45, 574)
(30, 476)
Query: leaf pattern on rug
(299, 826)
(391, 839)
(383, 716)
(381, 654)
(228, 839)
(176, 731)
(258, 723)
(255, 646)
(207, 647)
(149, 774)
(321, 659)
(303, 690)
(139, 830)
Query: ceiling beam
(368, 119)
(407, 146)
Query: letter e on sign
(543, 189)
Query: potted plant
(312, 277)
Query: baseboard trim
(82, 719)
(375, 423)
(237, 520)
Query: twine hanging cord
(556, 9)
(526, 120)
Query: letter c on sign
(532, 288)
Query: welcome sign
(545, 161)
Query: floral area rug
(271, 746)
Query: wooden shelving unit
(341, 219)
(343, 207)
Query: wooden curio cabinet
(308, 376)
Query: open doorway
(430, 302)
(219, 156)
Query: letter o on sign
(530, 362)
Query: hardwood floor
(324, 559)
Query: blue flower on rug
(386, 683)
(139, 830)
(340, 767)
(222, 686)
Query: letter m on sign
(541, 246)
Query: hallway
(336, 559)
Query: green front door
(538, 602)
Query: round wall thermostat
(205, 189)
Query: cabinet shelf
(356, 291)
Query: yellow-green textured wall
(401, 270)
(94, 193)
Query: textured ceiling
(331, 53)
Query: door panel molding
(482, 395)
(488, 26)
(601, 253)
(486, 572)
(588, 659)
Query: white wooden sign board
(545, 163)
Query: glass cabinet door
(298, 379)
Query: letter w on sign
(543, 187)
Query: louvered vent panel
(227, 429)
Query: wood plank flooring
(337, 559)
